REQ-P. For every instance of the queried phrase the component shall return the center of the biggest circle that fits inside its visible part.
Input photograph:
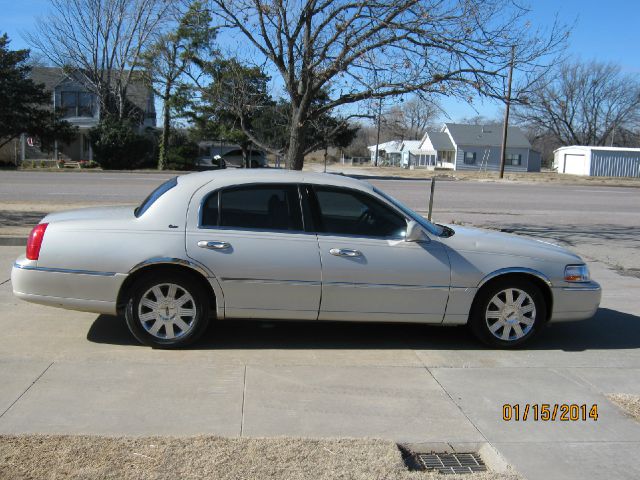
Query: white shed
(597, 161)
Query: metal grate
(452, 462)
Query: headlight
(576, 273)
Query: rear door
(252, 238)
(369, 272)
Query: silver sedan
(237, 244)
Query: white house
(597, 161)
(389, 153)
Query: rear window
(155, 195)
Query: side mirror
(415, 233)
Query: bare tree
(410, 119)
(584, 104)
(103, 41)
(371, 49)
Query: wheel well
(159, 269)
(538, 282)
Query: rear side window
(348, 212)
(155, 195)
(257, 207)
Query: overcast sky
(604, 31)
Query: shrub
(182, 152)
(117, 145)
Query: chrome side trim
(504, 271)
(64, 270)
(173, 261)
(269, 281)
(593, 287)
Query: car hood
(93, 213)
(488, 241)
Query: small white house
(597, 161)
(389, 153)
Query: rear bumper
(578, 302)
(82, 290)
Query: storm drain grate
(452, 462)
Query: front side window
(469, 158)
(85, 104)
(256, 207)
(348, 212)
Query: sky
(603, 31)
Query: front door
(369, 272)
(252, 238)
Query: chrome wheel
(167, 311)
(510, 314)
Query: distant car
(234, 158)
(272, 244)
(209, 163)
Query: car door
(252, 238)
(369, 272)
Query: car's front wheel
(167, 311)
(508, 313)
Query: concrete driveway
(70, 372)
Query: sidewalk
(77, 373)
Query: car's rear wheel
(508, 313)
(167, 311)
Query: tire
(503, 322)
(166, 326)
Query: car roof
(234, 176)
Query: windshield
(155, 195)
(430, 227)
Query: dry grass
(629, 403)
(528, 177)
(91, 457)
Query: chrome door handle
(213, 245)
(345, 252)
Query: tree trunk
(295, 153)
(245, 155)
(166, 129)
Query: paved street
(72, 372)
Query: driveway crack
(26, 390)
(244, 392)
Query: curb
(13, 241)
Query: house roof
(440, 140)
(393, 146)
(138, 90)
(410, 145)
(486, 135)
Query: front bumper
(82, 290)
(575, 302)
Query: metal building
(597, 161)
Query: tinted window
(262, 207)
(346, 212)
(155, 195)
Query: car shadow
(608, 329)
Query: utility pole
(375, 162)
(503, 153)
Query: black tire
(197, 323)
(483, 318)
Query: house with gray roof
(80, 107)
(478, 147)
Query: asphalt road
(602, 223)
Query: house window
(85, 104)
(76, 104)
(69, 104)
(469, 158)
(514, 159)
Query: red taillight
(35, 241)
